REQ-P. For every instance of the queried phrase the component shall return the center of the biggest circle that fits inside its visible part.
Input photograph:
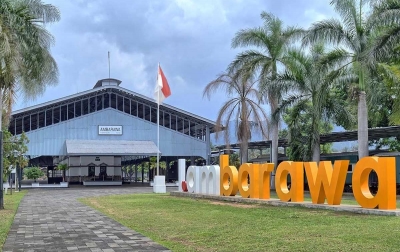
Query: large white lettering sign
(203, 179)
(110, 130)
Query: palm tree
(362, 39)
(26, 64)
(311, 86)
(242, 108)
(272, 41)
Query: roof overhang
(111, 148)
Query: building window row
(99, 102)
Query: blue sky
(191, 39)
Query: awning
(111, 147)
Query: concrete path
(54, 220)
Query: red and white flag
(162, 90)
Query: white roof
(111, 147)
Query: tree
(129, 170)
(272, 41)
(62, 167)
(14, 149)
(362, 39)
(310, 84)
(300, 133)
(242, 107)
(26, 62)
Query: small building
(100, 131)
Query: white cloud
(191, 40)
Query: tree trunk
(316, 149)
(274, 143)
(244, 152)
(1, 109)
(10, 182)
(274, 138)
(315, 133)
(362, 125)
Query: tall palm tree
(311, 84)
(365, 35)
(271, 42)
(26, 64)
(242, 108)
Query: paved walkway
(54, 220)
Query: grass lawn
(11, 203)
(183, 224)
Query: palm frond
(383, 46)
(331, 31)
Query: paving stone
(54, 220)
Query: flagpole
(158, 124)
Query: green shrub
(33, 173)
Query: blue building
(98, 131)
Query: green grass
(11, 203)
(184, 224)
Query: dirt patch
(94, 203)
(239, 205)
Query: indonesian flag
(162, 90)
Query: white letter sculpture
(209, 179)
(203, 179)
(192, 179)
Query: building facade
(98, 131)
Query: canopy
(111, 148)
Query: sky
(190, 39)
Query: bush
(33, 173)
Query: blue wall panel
(50, 140)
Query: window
(153, 115)
(85, 107)
(64, 113)
(99, 102)
(147, 112)
(127, 106)
(92, 107)
(78, 108)
(106, 101)
(91, 170)
(56, 115)
(49, 117)
(186, 127)
(18, 127)
(134, 108)
(113, 101)
(42, 117)
(140, 111)
(120, 102)
(174, 122)
(34, 121)
(27, 123)
(71, 111)
(166, 120)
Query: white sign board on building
(110, 130)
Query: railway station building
(97, 132)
